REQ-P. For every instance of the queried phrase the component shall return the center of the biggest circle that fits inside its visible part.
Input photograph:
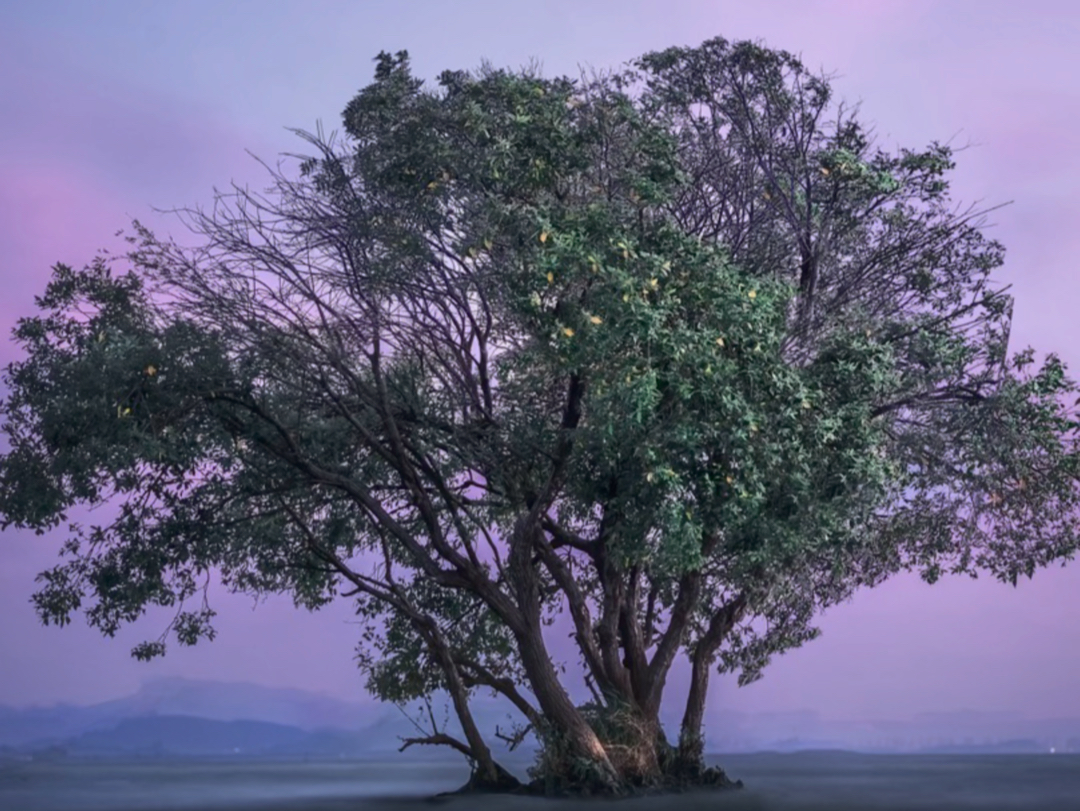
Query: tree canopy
(659, 350)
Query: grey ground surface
(774, 782)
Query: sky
(110, 108)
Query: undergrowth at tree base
(552, 786)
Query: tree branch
(438, 739)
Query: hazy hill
(185, 735)
(230, 701)
(220, 701)
(183, 716)
(189, 716)
(962, 731)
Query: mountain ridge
(312, 716)
(325, 724)
(214, 700)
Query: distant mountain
(963, 731)
(1024, 746)
(220, 701)
(189, 717)
(163, 736)
(19, 726)
(802, 745)
(182, 736)
(230, 701)
(185, 735)
(196, 717)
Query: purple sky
(109, 108)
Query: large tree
(680, 365)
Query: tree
(532, 346)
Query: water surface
(802, 781)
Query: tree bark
(556, 705)
(690, 755)
(488, 772)
(554, 702)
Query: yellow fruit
(543, 236)
(550, 277)
(595, 319)
(568, 332)
(150, 370)
(752, 294)
(719, 341)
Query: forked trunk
(565, 722)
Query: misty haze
(187, 744)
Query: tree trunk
(487, 771)
(559, 710)
(691, 755)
